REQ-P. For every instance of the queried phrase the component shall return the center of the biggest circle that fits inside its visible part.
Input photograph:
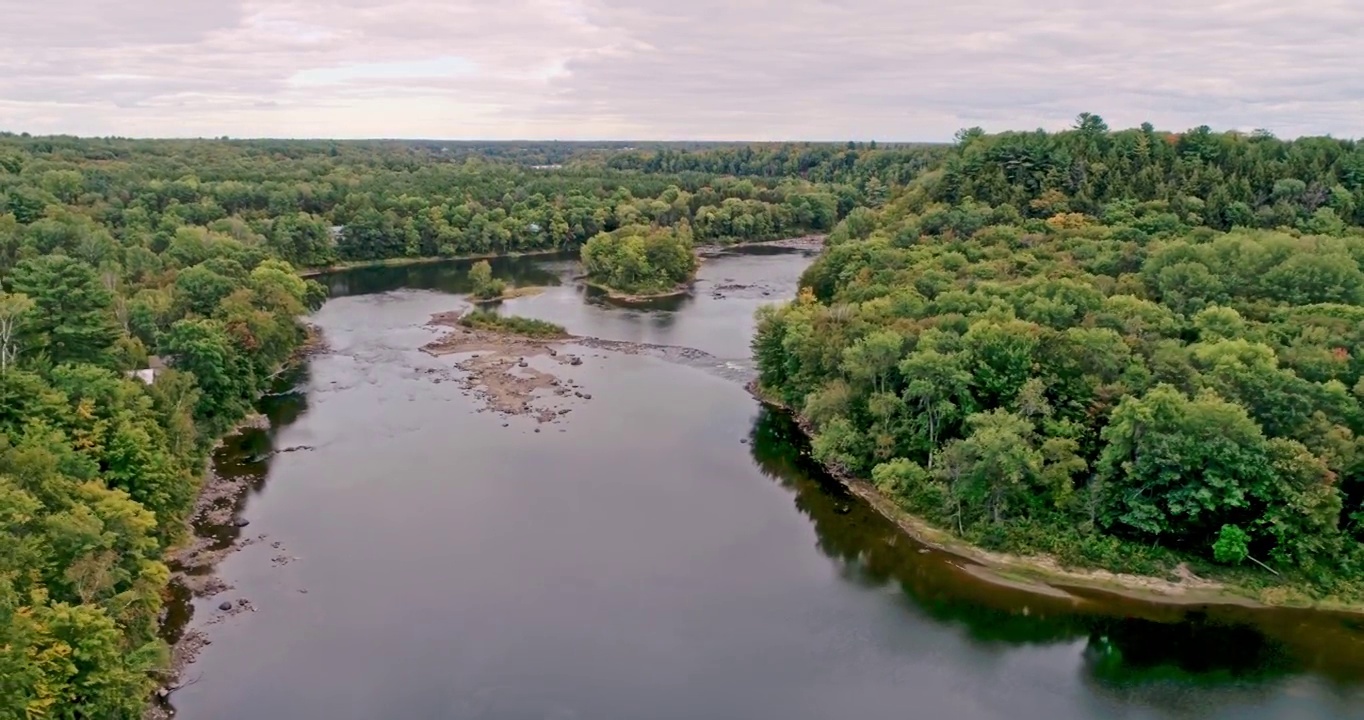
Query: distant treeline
(314, 203)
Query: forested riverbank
(1133, 351)
(117, 378)
(149, 292)
(678, 523)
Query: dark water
(639, 561)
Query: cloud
(705, 69)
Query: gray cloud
(112, 23)
(756, 69)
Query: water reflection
(449, 276)
(1126, 642)
(241, 456)
(1129, 652)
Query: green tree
(482, 283)
(872, 359)
(203, 348)
(990, 469)
(938, 386)
(198, 289)
(72, 318)
(1179, 466)
(638, 259)
(1232, 546)
(14, 307)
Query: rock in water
(224, 606)
(241, 522)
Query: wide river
(664, 550)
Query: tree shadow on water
(1127, 644)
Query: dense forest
(148, 292)
(318, 203)
(1124, 349)
(98, 469)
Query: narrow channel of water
(666, 550)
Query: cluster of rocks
(718, 292)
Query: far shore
(423, 260)
(801, 240)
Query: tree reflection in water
(1126, 643)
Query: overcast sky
(675, 69)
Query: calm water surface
(639, 561)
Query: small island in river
(486, 289)
(638, 262)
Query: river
(664, 550)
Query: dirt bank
(508, 294)
(625, 297)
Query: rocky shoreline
(192, 564)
